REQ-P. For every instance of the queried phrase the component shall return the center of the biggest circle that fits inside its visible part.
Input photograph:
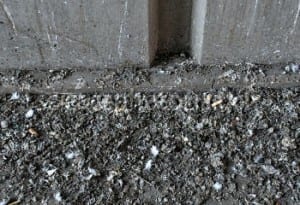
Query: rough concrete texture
(74, 33)
(176, 74)
(259, 31)
(174, 25)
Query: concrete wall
(259, 31)
(110, 33)
(76, 33)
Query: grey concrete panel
(75, 33)
(174, 25)
(258, 31)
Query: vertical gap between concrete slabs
(174, 26)
(198, 28)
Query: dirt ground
(219, 145)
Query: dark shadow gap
(174, 21)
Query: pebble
(217, 186)
(29, 114)
(4, 124)
(207, 99)
(50, 172)
(33, 132)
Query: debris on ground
(152, 148)
(33, 132)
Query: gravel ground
(234, 146)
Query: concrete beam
(257, 31)
(77, 33)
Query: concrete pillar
(258, 31)
(77, 33)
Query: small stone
(92, 171)
(234, 101)
(111, 175)
(217, 186)
(258, 158)
(3, 202)
(4, 124)
(182, 55)
(207, 99)
(57, 197)
(287, 142)
(294, 68)
(270, 169)
(255, 98)
(80, 83)
(71, 155)
(33, 132)
(29, 113)
(287, 68)
(50, 172)
(271, 130)
(185, 139)
(178, 80)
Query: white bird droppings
(51, 172)
(92, 171)
(57, 197)
(154, 151)
(15, 96)
(148, 165)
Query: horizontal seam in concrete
(144, 80)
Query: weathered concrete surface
(174, 25)
(179, 75)
(77, 33)
(259, 31)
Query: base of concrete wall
(177, 75)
